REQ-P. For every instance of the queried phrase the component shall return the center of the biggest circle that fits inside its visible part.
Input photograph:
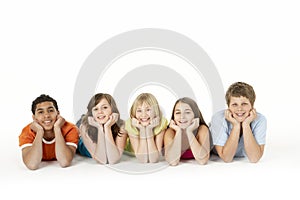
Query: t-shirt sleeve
(72, 135)
(218, 129)
(26, 137)
(259, 130)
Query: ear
(33, 117)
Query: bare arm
(200, 144)
(139, 143)
(228, 151)
(114, 148)
(64, 153)
(154, 143)
(32, 155)
(172, 143)
(253, 150)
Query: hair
(43, 98)
(240, 89)
(149, 99)
(195, 109)
(92, 131)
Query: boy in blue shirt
(239, 131)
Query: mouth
(102, 117)
(183, 122)
(144, 120)
(47, 122)
(240, 115)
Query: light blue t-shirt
(220, 130)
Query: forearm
(200, 147)
(231, 145)
(142, 148)
(173, 149)
(152, 148)
(63, 152)
(252, 149)
(100, 151)
(32, 156)
(112, 151)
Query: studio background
(43, 45)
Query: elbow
(66, 163)
(114, 161)
(174, 162)
(32, 166)
(202, 161)
(255, 160)
(227, 160)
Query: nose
(144, 113)
(239, 107)
(46, 115)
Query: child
(146, 127)
(49, 136)
(187, 136)
(239, 131)
(102, 133)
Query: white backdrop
(44, 44)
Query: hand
(136, 123)
(174, 126)
(83, 133)
(252, 116)
(230, 118)
(60, 121)
(113, 118)
(36, 127)
(194, 125)
(93, 122)
(154, 122)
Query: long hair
(195, 109)
(150, 100)
(92, 131)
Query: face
(240, 108)
(45, 115)
(183, 115)
(144, 113)
(102, 111)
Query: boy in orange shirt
(49, 136)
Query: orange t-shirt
(69, 132)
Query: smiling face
(144, 113)
(102, 111)
(183, 115)
(45, 115)
(240, 107)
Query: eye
(105, 107)
(234, 104)
(51, 110)
(95, 109)
(40, 112)
(177, 113)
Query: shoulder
(219, 115)
(260, 119)
(69, 127)
(27, 130)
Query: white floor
(276, 175)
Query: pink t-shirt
(188, 154)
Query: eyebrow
(38, 109)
